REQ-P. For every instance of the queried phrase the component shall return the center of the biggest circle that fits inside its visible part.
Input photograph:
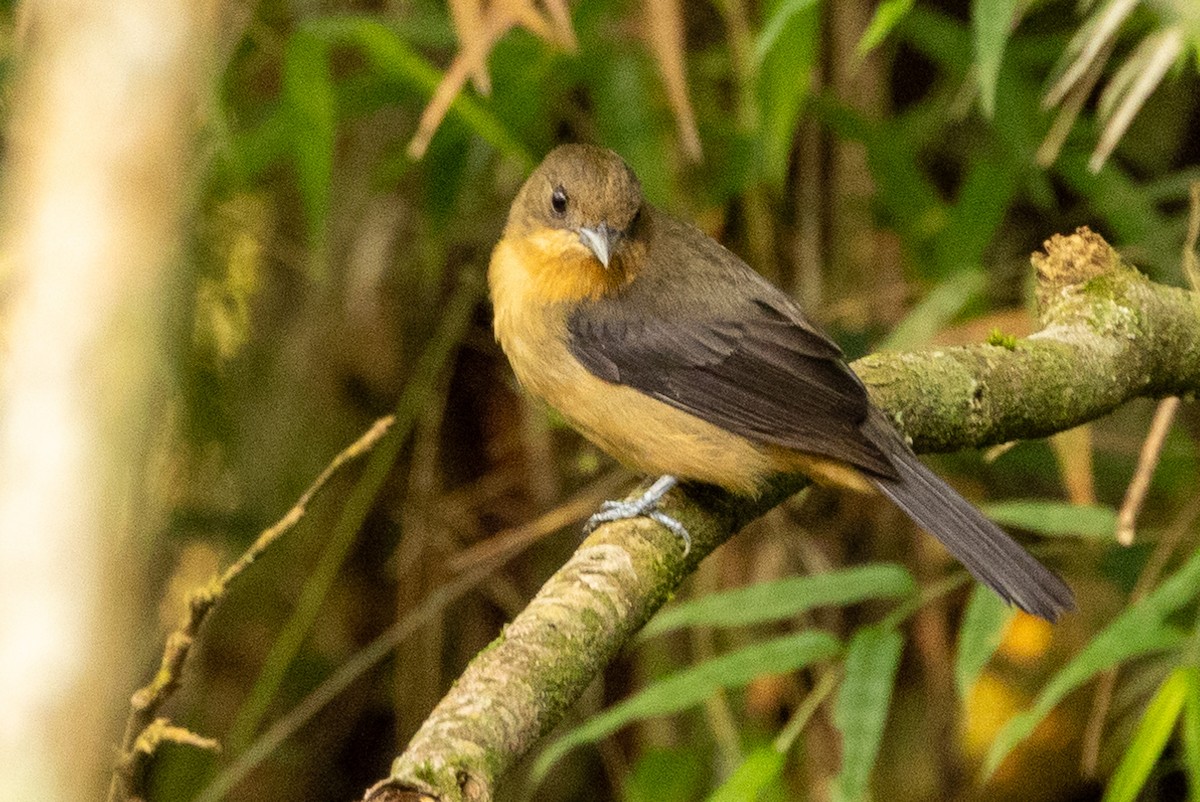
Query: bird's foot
(645, 506)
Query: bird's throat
(552, 266)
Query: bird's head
(582, 204)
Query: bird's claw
(670, 523)
(645, 506)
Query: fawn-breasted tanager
(671, 354)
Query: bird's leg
(645, 506)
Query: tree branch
(1109, 335)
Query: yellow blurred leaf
(1026, 639)
(991, 703)
(223, 302)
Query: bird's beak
(601, 240)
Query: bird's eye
(558, 201)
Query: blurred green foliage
(880, 158)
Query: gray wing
(754, 370)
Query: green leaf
(940, 305)
(1150, 738)
(786, 598)
(863, 701)
(761, 767)
(887, 16)
(991, 21)
(1191, 733)
(308, 102)
(259, 147)
(983, 626)
(1139, 630)
(630, 119)
(787, 52)
(1126, 638)
(692, 686)
(1056, 519)
(679, 774)
(982, 204)
(392, 58)
(777, 22)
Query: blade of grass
(1086, 46)
(1139, 630)
(991, 22)
(863, 702)
(940, 306)
(887, 16)
(760, 769)
(1159, 51)
(1055, 519)
(777, 22)
(310, 110)
(785, 54)
(1191, 733)
(692, 686)
(1150, 738)
(983, 625)
(395, 59)
(785, 598)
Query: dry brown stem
(664, 35)
(479, 29)
(144, 730)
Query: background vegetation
(893, 166)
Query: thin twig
(140, 741)
(560, 16)
(360, 447)
(1073, 449)
(665, 37)
(481, 35)
(467, 16)
(507, 544)
(796, 724)
(161, 729)
(477, 567)
(1135, 494)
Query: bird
(672, 355)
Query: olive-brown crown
(578, 186)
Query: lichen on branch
(1108, 335)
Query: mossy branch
(1108, 335)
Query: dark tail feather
(985, 549)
